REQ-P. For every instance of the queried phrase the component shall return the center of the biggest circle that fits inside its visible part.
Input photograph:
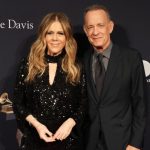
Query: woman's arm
(19, 96)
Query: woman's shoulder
(23, 62)
(82, 69)
(23, 66)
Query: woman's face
(55, 38)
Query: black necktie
(99, 73)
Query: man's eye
(90, 27)
(101, 25)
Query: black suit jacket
(120, 112)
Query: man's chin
(98, 47)
(97, 44)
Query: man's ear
(111, 26)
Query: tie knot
(101, 61)
(100, 57)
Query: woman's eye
(49, 32)
(61, 33)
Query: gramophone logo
(147, 69)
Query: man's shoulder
(130, 55)
(87, 55)
(126, 50)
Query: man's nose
(95, 31)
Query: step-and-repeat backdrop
(18, 25)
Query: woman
(50, 94)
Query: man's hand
(129, 147)
(64, 130)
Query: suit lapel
(91, 85)
(111, 69)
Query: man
(116, 87)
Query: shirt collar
(106, 52)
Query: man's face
(98, 27)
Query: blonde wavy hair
(37, 64)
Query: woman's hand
(64, 130)
(42, 130)
(44, 133)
